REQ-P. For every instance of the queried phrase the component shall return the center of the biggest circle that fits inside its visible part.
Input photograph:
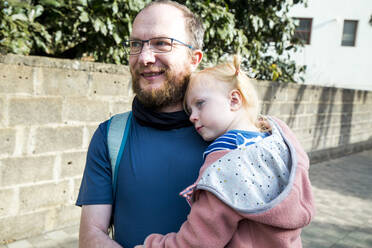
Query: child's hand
(138, 246)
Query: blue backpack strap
(118, 130)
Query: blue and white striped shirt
(234, 139)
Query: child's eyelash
(199, 103)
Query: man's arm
(94, 223)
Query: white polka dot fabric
(254, 178)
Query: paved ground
(343, 195)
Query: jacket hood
(266, 182)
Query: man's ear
(236, 100)
(196, 58)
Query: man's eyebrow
(152, 37)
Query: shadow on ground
(338, 174)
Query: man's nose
(146, 56)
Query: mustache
(151, 68)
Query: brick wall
(49, 109)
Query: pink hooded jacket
(214, 222)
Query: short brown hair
(194, 26)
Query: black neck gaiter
(163, 121)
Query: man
(163, 153)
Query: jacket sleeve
(210, 223)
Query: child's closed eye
(199, 103)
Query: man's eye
(160, 43)
(135, 44)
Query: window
(349, 33)
(303, 29)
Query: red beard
(171, 92)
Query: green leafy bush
(259, 29)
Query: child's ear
(236, 100)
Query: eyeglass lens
(157, 45)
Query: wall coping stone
(77, 65)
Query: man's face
(160, 79)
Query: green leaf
(97, 25)
(83, 2)
(117, 38)
(58, 36)
(53, 3)
(84, 17)
(115, 8)
(19, 16)
(38, 10)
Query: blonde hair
(232, 75)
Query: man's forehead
(159, 21)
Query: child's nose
(193, 118)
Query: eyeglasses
(157, 45)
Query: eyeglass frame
(127, 44)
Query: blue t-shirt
(156, 166)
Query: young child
(253, 189)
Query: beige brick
(77, 183)
(9, 202)
(311, 108)
(326, 95)
(65, 82)
(21, 226)
(82, 109)
(88, 134)
(308, 121)
(291, 109)
(15, 79)
(121, 106)
(335, 130)
(3, 111)
(337, 108)
(329, 95)
(279, 92)
(26, 170)
(298, 93)
(363, 108)
(306, 144)
(7, 141)
(337, 97)
(274, 93)
(314, 93)
(49, 139)
(263, 91)
(348, 95)
(32, 111)
(45, 195)
(68, 215)
(303, 134)
(72, 164)
(273, 109)
(104, 84)
(334, 119)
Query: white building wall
(329, 63)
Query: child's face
(210, 109)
